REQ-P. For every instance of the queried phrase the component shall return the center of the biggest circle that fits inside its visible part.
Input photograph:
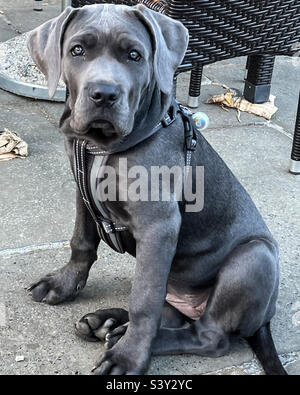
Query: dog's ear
(45, 47)
(170, 40)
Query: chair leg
(247, 67)
(195, 85)
(65, 4)
(175, 86)
(259, 77)
(295, 157)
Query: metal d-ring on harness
(89, 159)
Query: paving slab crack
(10, 24)
(41, 247)
(35, 107)
(253, 367)
(280, 129)
(13, 106)
(269, 124)
(54, 122)
(230, 126)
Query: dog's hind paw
(107, 326)
(114, 336)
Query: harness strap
(108, 230)
(190, 133)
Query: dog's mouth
(102, 130)
(105, 126)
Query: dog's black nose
(104, 94)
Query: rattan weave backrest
(222, 29)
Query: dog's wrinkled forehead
(103, 17)
(107, 24)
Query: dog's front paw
(107, 325)
(59, 286)
(123, 360)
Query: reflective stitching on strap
(97, 152)
(77, 169)
(188, 158)
(111, 227)
(83, 175)
(188, 163)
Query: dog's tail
(263, 346)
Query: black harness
(88, 161)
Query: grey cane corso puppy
(201, 278)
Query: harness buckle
(186, 111)
(169, 117)
(108, 227)
(167, 121)
(191, 143)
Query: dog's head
(111, 58)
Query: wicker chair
(223, 29)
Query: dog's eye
(134, 55)
(77, 51)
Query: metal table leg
(295, 157)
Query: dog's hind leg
(64, 284)
(109, 325)
(202, 337)
(173, 318)
(241, 303)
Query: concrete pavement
(37, 216)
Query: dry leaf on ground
(12, 146)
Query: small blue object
(201, 120)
